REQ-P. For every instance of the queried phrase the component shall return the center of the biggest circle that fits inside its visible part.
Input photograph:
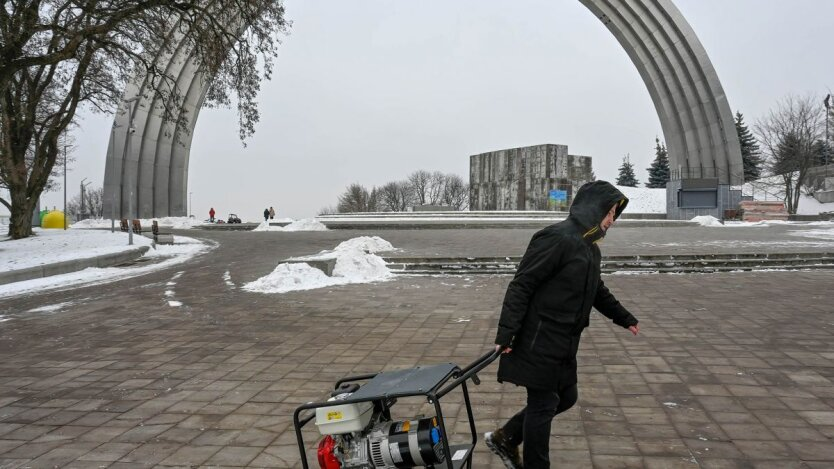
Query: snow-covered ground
(180, 223)
(356, 262)
(644, 200)
(49, 246)
(771, 188)
(306, 224)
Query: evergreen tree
(750, 154)
(659, 171)
(627, 177)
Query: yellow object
(54, 219)
(336, 415)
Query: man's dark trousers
(532, 424)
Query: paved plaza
(730, 370)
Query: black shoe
(508, 453)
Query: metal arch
(694, 113)
(690, 102)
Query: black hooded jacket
(548, 302)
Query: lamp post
(190, 204)
(113, 179)
(827, 113)
(130, 130)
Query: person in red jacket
(211, 215)
(546, 308)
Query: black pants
(532, 424)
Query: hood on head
(593, 201)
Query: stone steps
(758, 210)
(707, 263)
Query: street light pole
(113, 180)
(827, 113)
(132, 104)
(190, 204)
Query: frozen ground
(48, 246)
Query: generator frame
(433, 382)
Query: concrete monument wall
(521, 178)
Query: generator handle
(470, 370)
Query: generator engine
(359, 436)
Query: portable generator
(359, 433)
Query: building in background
(540, 177)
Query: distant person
(211, 214)
(266, 215)
(271, 213)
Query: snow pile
(707, 220)
(355, 263)
(644, 200)
(179, 223)
(365, 243)
(307, 224)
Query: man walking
(546, 308)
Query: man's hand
(506, 350)
(634, 329)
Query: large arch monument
(146, 174)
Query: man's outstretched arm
(607, 304)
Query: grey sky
(368, 91)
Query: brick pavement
(731, 370)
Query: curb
(483, 224)
(65, 267)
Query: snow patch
(227, 278)
(307, 224)
(51, 246)
(823, 233)
(355, 263)
(644, 200)
(174, 304)
(50, 308)
(179, 223)
(707, 220)
(165, 257)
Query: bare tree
(455, 192)
(57, 55)
(93, 204)
(419, 181)
(330, 210)
(788, 135)
(395, 196)
(354, 199)
(435, 188)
